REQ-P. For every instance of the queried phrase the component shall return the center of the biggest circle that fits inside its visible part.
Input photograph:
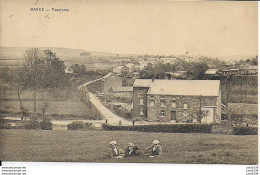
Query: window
(141, 101)
(162, 103)
(185, 106)
(151, 102)
(173, 104)
(141, 112)
(185, 113)
(162, 114)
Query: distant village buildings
(211, 73)
(68, 70)
(176, 100)
(244, 69)
(121, 70)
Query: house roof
(243, 108)
(211, 71)
(123, 89)
(180, 87)
(142, 82)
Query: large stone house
(177, 100)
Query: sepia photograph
(160, 82)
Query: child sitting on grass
(155, 149)
(116, 152)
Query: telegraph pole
(200, 110)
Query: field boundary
(186, 128)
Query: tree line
(194, 70)
(42, 73)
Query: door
(173, 115)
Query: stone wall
(182, 114)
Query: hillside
(12, 56)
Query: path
(112, 118)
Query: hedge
(79, 125)
(32, 124)
(245, 130)
(174, 128)
(46, 125)
(4, 124)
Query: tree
(53, 78)
(16, 79)
(201, 114)
(76, 68)
(83, 69)
(34, 66)
(46, 75)
(196, 70)
(21, 80)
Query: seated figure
(155, 149)
(116, 152)
(132, 150)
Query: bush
(93, 115)
(174, 128)
(89, 126)
(46, 125)
(77, 125)
(245, 130)
(33, 124)
(4, 124)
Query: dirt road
(111, 118)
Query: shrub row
(4, 124)
(245, 130)
(91, 116)
(79, 125)
(174, 128)
(34, 124)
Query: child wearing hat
(132, 150)
(116, 152)
(155, 149)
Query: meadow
(92, 146)
(69, 106)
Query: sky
(133, 27)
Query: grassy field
(69, 106)
(56, 107)
(92, 146)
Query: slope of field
(14, 56)
(72, 106)
(92, 146)
(240, 89)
